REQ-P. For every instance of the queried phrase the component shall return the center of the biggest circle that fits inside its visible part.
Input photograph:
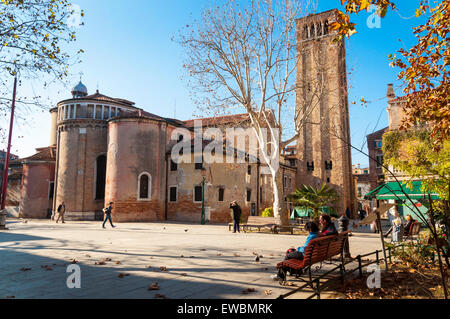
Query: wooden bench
(318, 250)
(414, 230)
(273, 223)
(262, 222)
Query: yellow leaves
(418, 13)
(365, 5)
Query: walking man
(107, 210)
(236, 211)
(61, 210)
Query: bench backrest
(258, 220)
(415, 228)
(324, 248)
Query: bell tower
(324, 154)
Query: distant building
(376, 160)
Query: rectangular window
(378, 143)
(379, 161)
(198, 165)
(261, 195)
(197, 194)
(221, 194)
(249, 170)
(249, 195)
(173, 194)
(173, 166)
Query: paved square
(202, 261)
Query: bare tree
(245, 58)
(33, 43)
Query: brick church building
(105, 149)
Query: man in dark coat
(236, 211)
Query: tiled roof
(101, 97)
(43, 154)
(235, 119)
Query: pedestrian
(236, 212)
(61, 210)
(108, 210)
(328, 227)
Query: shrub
(268, 212)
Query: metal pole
(359, 266)
(203, 202)
(8, 153)
(382, 240)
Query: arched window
(325, 27)
(100, 177)
(144, 186)
(319, 29)
(313, 31)
(305, 32)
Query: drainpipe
(257, 188)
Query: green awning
(373, 193)
(392, 190)
(300, 212)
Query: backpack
(59, 208)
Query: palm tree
(314, 198)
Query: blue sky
(129, 54)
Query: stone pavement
(202, 261)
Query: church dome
(79, 90)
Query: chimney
(390, 91)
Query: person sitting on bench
(313, 230)
(328, 227)
(408, 226)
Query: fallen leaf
(160, 296)
(121, 275)
(248, 290)
(74, 261)
(154, 286)
(219, 254)
(148, 266)
(117, 262)
(163, 268)
(46, 267)
(183, 274)
(100, 263)
(108, 259)
(25, 269)
(236, 255)
(268, 292)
